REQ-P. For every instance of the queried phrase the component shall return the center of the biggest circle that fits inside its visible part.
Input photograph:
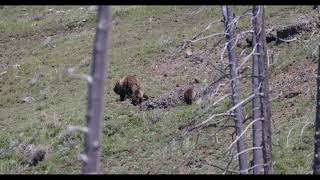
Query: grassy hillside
(43, 41)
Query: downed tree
(175, 96)
(281, 34)
(294, 29)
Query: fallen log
(282, 33)
(175, 96)
(294, 29)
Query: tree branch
(244, 131)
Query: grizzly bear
(189, 96)
(130, 87)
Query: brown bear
(189, 96)
(130, 87)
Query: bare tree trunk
(265, 102)
(316, 161)
(256, 102)
(95, 106)
(235, 87)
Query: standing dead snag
(235, 87)
(95, 95)
(256, 101)
(316, 161)
(264, 91)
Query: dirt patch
(292, 89)
(167, 66)
(298, 78)
(179, 68)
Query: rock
(2, 73)
(16, 66)
(28, 99)
(188, 53)
(48, 41)
(68, 137)
(45, 91)
(37, 18)
(36, 79)
(116, 21)
(60, 12)
(33, 155)
(84, 62)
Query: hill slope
(38, 43)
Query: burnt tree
(316, 161)
(256, 80)
(235, 86)
(95, 104)
(264, 91)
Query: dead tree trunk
(256, 102)
(265, 102)
(95, 106)
(316, 161)
(235, 87)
